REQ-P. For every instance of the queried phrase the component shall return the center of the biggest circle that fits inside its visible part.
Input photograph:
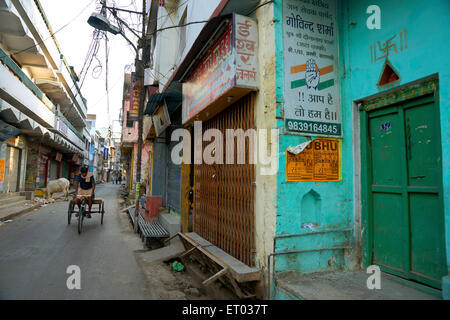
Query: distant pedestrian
(120, 177)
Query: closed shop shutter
(173, 182)
(41, 181)
(224, 194)
(12, 169)
(159, 169)
(54, 166)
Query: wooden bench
(149, 230)
(220, 263)
(131, 214)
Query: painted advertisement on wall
(211, 79)
(246, 37)
(312, 94)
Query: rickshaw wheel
(103, 212)
(69, 212)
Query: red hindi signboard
(230, 63)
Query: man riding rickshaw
(84, 188)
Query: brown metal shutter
(224, 194)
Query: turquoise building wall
(427, 53)
(327, 204)
(334, 202)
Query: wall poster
(311, 70)
(319, 161)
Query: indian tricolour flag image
(323, 76)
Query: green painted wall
(327, 204)
(423, 53)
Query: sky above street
(74, 40)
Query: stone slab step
(345, 286)
(11, 199)
(12, 212)
(7, 195)
(13, 204)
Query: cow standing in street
(59, 185)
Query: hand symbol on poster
(312, 74)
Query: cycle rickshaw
(84, 209)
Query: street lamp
(100, 22)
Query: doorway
(401, 157)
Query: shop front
(218, 95)
(164, 174)
(12, 157)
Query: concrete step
(342, 285)
(11, 199)
(8, 195)
(12, 210)
(170, 222)
(13, 204)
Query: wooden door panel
(386, 189)
(423, 146)
(386, 163)
(424, 172)
(387, 226)
(427, 236)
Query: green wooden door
(406, 214)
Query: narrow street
(36, 249)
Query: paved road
(36, 249)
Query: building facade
(390, 108)
(42, 110)
(225, 76)
(355, 121)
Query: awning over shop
(173, 101)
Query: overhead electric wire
(179, 26)
(160, 30)
(136, 25)
(106, 76)
(92, 52)
(103, 97)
